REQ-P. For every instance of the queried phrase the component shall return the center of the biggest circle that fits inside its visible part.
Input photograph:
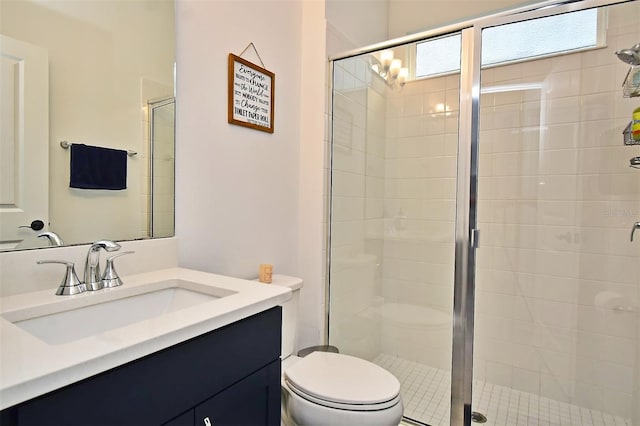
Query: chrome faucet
(92, 279)
(53, 238)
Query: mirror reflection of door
(24, 136)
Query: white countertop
(30, 367)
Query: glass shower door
(393, 208)
(556, 337)
(161, 221)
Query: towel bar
(66, 145)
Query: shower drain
(478, 417)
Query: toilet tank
(289, 312)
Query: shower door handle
(633, 229)
(475, 238)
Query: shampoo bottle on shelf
(635, 125)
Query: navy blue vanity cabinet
(248, 402)
(229, 376)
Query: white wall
(237, 188)
(313, 168)
(241, 192)
(362, 22)
(412, 16)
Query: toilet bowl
(326, 388)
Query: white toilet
(325, 388)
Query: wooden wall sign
(251, 94)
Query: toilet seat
(343, 382)
(337, 405)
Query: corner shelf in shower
(631, 85)
(626, 135)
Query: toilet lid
(343, 379)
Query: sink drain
(478, 417)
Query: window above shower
(520, 41)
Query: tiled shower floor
(426, 396)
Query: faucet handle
(70, 283)
(110, 277)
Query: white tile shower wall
(419, 211)
(557, 284)
(357, 208)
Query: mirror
(98, 73)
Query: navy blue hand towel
(94, 167)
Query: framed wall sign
(251, 94)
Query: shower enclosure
(480, 213)
(161, 167)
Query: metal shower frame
(152, 105)
(467, 233)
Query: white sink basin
(66, 321)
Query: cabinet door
(253, 401)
